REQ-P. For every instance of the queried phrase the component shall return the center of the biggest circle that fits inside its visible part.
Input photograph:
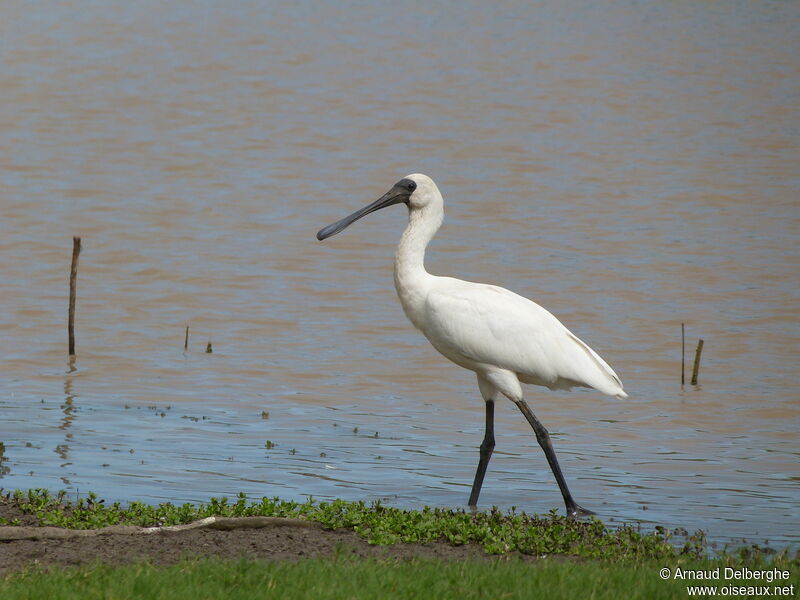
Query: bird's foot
(577, 512)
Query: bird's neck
(410, 277)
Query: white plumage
(504, 338)
(487, 329)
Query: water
(628, 165)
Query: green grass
(495, 531)
(576, 559)
(349, 579)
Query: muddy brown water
(630, 166)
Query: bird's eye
(411, 186)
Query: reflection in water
(632, 166)
(4, 469)
(68, 408)
(69, 398)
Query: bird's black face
(400, 192)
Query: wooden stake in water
(683, 356)
(696, 369)
(186, 340)
(73, 276)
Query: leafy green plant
(496, 531)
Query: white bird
(504, 338)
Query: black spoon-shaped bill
(399, 193)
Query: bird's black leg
(573, 509)
(486, 453)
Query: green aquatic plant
(496, 531)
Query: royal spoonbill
(504, 338)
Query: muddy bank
(275, 542)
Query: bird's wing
(490, 325)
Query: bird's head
(416, 191)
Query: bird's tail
(608, 382)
